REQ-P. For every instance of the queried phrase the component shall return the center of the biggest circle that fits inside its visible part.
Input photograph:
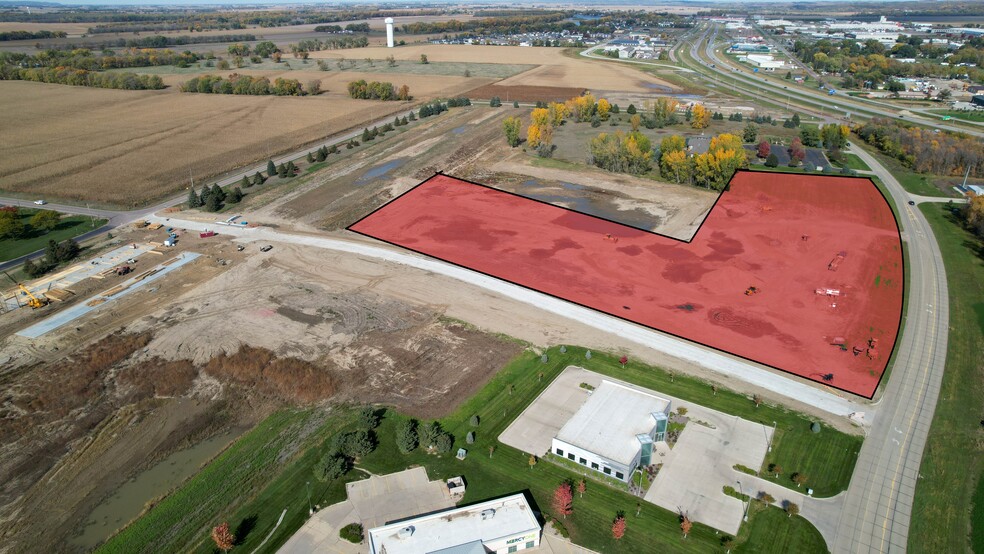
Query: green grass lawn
(851, 161)
(69, 227)
(966, 115)
(942, 512)
(252, 469)
(775, 531)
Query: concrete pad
(540, 422)
(552, 544)
(320, 533)
(382, 499)
(372, 502)
(701, 464)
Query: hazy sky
(407, 2)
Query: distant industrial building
(497, 526)
(750, 47)
(765, 61)
(614, 431)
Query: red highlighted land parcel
(802, 273)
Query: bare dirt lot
(215, 346)
(556, 68)
(525, 93)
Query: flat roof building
(500, 526)
(614, 431)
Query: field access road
(878, 504)
(116, 218)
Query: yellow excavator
(34, 302)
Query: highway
(826, 104)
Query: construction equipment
(611, 238)
(751, 290)
(835, 263)
(122, 270)
(34, 302)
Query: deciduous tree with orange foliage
(700, 117)
(582, 107)
(563, 500)
(618, 527)
(604, 107)
(724, 156)
(685, 525)
(223, 537)
(558, 112)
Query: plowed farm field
(800, 273)
(127, 148)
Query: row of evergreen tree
(54, 254)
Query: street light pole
(310, 508)
(744, 506)
(772, 436)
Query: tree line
(377, 90)
(333, 43)
(246, 85)
(81, 78)
(504, 25)
(129, 22)
(925, 151)
(873, 62)
(155, 41)
(31, 35)
(712, 169)
(86, 59)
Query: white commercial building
(496, 526)
(614, 431)
(765, 61)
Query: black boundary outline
(898, 332)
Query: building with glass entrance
(614, 431)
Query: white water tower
(389, 32)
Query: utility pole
(744, 505)
(310, 507)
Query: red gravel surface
(802, 273)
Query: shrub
(352, 532)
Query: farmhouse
(614, 431)
(500, 526)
